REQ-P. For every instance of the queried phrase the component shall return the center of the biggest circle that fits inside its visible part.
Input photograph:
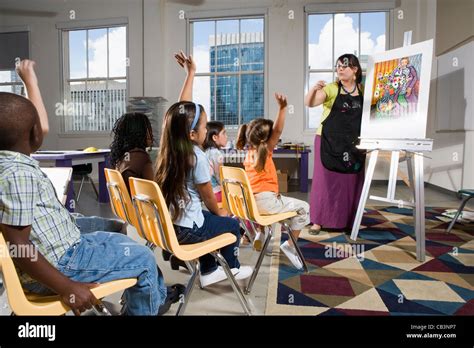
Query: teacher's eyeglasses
(341, 66)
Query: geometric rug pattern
(379, 274)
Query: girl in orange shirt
(261, 136)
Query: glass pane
(98, 53)
(252, 48)
(315, 113)
(77, 54)
(227, 42)
(204, 45)
(76, 110)
(346, 35)
(202, 93)
(9, 76)
(373, 31)
(320, 41)
(97, 98)
(117, 52)
(116, 101)
(251, 97)
(226, 99)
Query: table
(235, 156)
(72, 158)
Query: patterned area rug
(378, 274)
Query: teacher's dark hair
(353, 62)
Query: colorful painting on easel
(396, 88)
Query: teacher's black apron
(340, 135)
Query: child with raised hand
(262, 135)
(216, 139)
(183, 174)
(62, 260)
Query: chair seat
(56, 307)
(266, 220)
(194, 251)
(467, 192)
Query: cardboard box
(283, 178)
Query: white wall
(165, 33)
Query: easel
(413, 151)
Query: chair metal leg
(461, 207)
(247, 232)
(101, 310)
(93, 186)
(194, 268)
(249, 286)
(298, 250)
(80, 188)
(243, 301)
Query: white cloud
(320, 54)
(117, 52)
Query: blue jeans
(101, 257)
(88, 224)
(213, 226)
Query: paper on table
(60, 178)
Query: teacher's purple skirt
(334, 196)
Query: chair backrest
(120, 200)
(238, 193)
(16, 296)
(153, 215)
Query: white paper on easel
(397, 93)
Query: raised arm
(316, 95)
(190, 67)
(279, 123)
(27, 73)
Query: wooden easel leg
(365, 193)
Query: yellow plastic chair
(241, 203)
(120, 200)
(25, 303)
(155, 220)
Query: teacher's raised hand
(319, 85)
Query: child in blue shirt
(183, 174)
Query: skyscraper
(224, 57)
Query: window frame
(215, 16)
(326, 11)
(63, 38)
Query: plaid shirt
(27, 197)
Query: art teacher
(338, 175)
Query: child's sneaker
(217, 276)
(242, 273)
(259, 241)
(291, 254)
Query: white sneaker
(243, 272)
(259, 241)
(291, 254)
(217, 276)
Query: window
(230, 56)
(94, 78)
(10, 82)
(14, 44)
(329, 35)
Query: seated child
(261, 136)
(183, 174)
(132, 136)
(216, 139)
(31, 217)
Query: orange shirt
(263, 181)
